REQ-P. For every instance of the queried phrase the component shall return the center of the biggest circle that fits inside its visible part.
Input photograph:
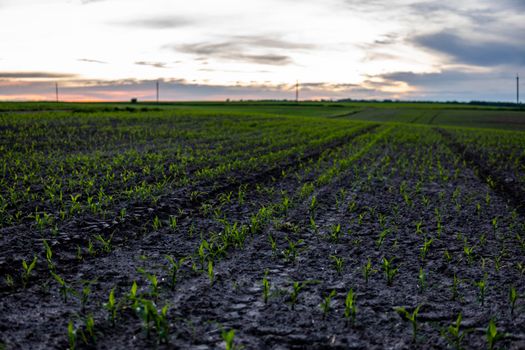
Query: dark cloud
(152, 64)
(460, 85)
(165, 22)
(469, 51)
(34, 75)
(246, 49)
(88, 60)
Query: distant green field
(463, 115)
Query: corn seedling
(482, 289)
(111, 306)
(294, 295)
(273, 244)
(453, 333)
(228, 338)
(49, 256)
(455, 287)
(266, 287)
(175, 266)
(106, 243)
(513, 297)
(350, 307)
(173, 222)
(313, 225)
(88, 333)
(389, 270)
(290, 253)
(335, 233)
(211, 273)
(368, 270)
(422, 280)
(71, 335)
(28, 268)
(425, 248)
(381, 238)
(411, 317)
(493, 335)
(327, 303)
(153, 280)
(338, 263)
(64, 288)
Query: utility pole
(157, 91)
(517, 89)
(297, 91)
(56, 91)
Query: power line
(297, 91)
(56, 91)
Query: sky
(98, 50)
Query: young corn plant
(350, 307)
(338, 263)
(513, 298)
(266, 287)
(422, 280)
(65, 290)
(493, 335)
(49, 256)
(453, 333)
(28, 268)
(175, 266)
(291, 252)
(294, 295)
(211, 273)
(106, 243)
(326, 304)
(88, 333)
(411, 317)
(335, 233)
(71, 335)
(228, 337)
(153, 280)
(455, 287)
(111, 307)
(482, 289)
(389, 270)
(425, 248)
(368, 270)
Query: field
(262, 225)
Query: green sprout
(513, 297)
(453, 333)
(26, 274)
(350, 306)
(412, 317)
(338, 263)
(425, 248)
(228, 338)
(390, 270)
(71, 335)
(111, 306)
(64, 287)
(49, 256)
(266, 287)
(368, 270)
(327, 303)
(482, 289)
(211, 274)
(175, 266)
(493, 335)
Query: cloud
(152, 64)
(470, 51)
(34, 75)
(88, 60)
(251, 49)
(165, 22)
